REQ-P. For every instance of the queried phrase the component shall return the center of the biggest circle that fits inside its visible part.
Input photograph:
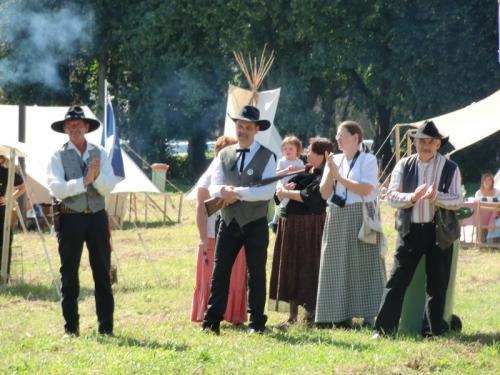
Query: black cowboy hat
(250, 113)
(75, 112)
(428, 130)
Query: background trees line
(169, 63)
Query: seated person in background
(487, 191)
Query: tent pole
(22, 138)
(408, 144)
(135, 207)
(130, 207)
(179, 215)
(396, 143)
(155, 205)
(146, 210)
(164, 208)
(4, 275)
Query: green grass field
(153, 334)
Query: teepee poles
(254, 71)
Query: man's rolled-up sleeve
(59, 187)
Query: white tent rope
(385, 141)
(146, 253)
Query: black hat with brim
(75, 113)
(428, 130)
(250, 113)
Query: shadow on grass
(488, 338)
(127, 341)
(127, 225)
(313, 337)
(38, 292)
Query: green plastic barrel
(414, 302)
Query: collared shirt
(249, 194)
(364, 170)
(428, 173)
(60, 188)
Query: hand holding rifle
(229, 196)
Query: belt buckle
(87, 211)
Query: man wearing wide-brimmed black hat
(243, 219)
(80, 175)
(424, 188)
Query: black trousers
(75, 230)
(254, 237)
(421, 240)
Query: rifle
(213, 205)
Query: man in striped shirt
(424, 188)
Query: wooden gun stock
(213, 205)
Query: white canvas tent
(267, 103)
(470, 124)
(42, 141)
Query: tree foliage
(169, 63)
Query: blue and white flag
(111, 142)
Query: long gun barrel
(213, 205)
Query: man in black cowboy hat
(243, 219)
(424, 188)
(80, 175)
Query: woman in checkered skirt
(352, 273)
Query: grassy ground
(154, 334)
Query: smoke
(33, 44)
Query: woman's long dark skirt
(296, 259)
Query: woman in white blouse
(487, 191)
(352, 273)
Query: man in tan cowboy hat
(80, 175)
(243, 219)
(19, 189)
(424, 188)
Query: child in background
(291, 149)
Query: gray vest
(75, 167)
(447, 225)
(244, 212)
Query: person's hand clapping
(92, 171)
(418, 193)
(334, 169)
(431, 193)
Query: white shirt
(204, 182)
(428, 173)
(489, 198)
(365, 170)
(60, 188)
(249, 194)
(284, 163)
